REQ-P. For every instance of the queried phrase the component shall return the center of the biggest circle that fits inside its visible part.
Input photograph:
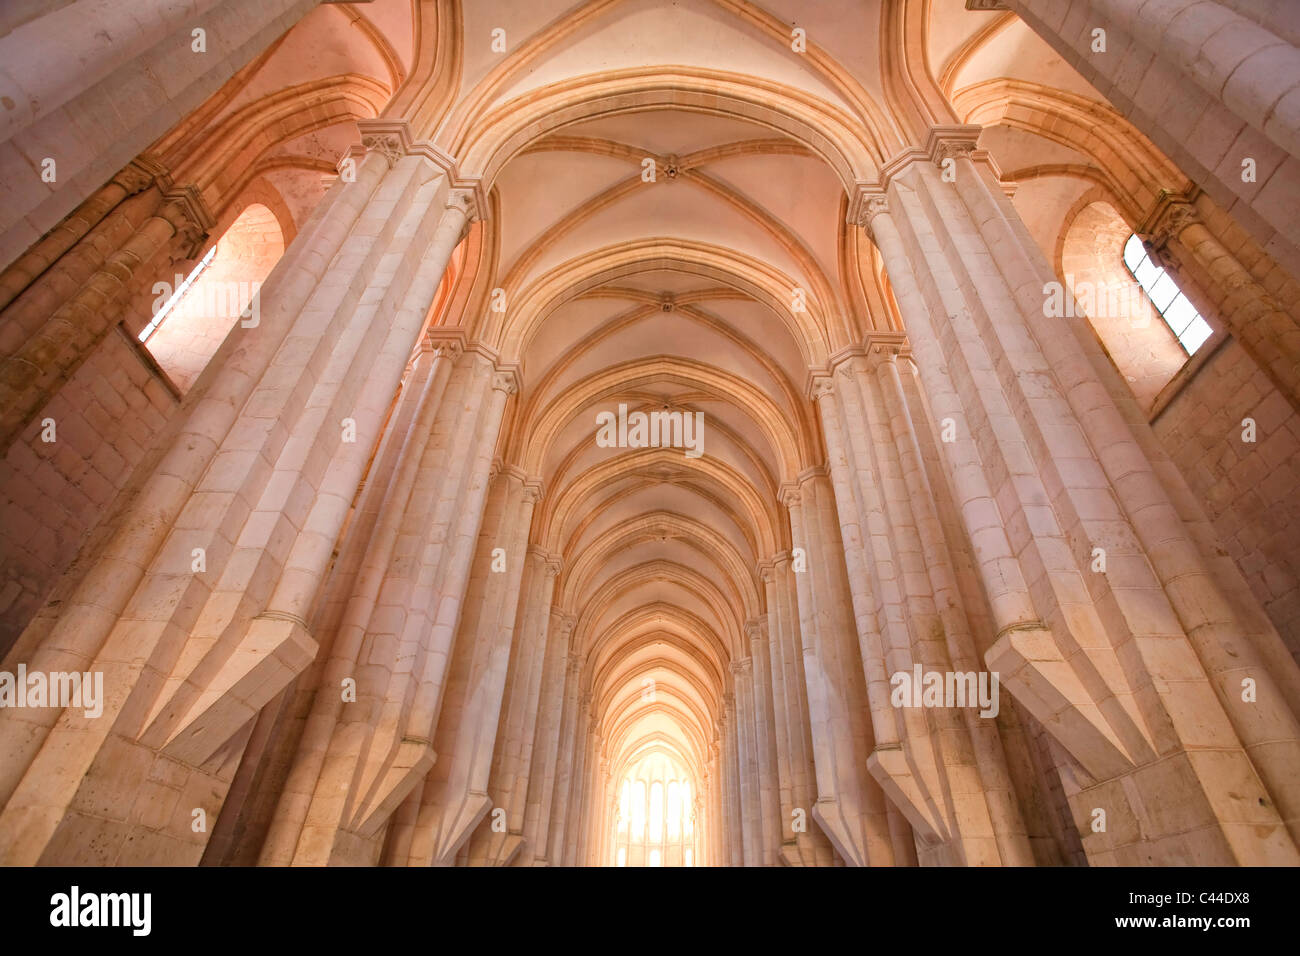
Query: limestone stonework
(425, 482)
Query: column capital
(1172, 213)
(952, 141)
(533, 490)
(443, 343)
(742, 667)
(393, 138)
(869, 201)
(184, 208)
(506, 380)
(885, 347)
(464, 199)
(141, 173)
(821, 387)
(790, 495)
(386, 144)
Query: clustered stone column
(849, 806)
(569, 741)
(801, 844)
(1115, 626)
(455, 794)
(909, 612)
(514, 752)
(195, 610)
(770, 837)
(542, 777)
(396, 638)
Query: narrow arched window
(638, 810)
(1174, 307)
(674, 810)
(656, 812)
(167, 306)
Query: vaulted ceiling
(667, 183)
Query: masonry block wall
(54, 494)
(1248, 488)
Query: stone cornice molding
(486, 351)
(945, 141)
(532, 485)
(506, 377)
(845, 355)
(393, 138)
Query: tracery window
(653, 815)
